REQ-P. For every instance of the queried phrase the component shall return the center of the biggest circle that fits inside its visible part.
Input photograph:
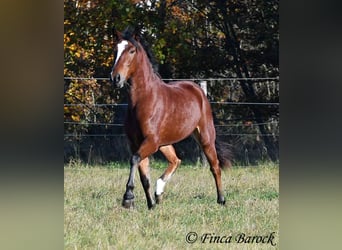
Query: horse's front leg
(144, 172)
(148, 147)
(128, 198)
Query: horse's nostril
(117, 78)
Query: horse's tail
(224, 154)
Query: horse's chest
(145, 116)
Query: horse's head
(126, 60)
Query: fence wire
(94, 140)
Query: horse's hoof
(221, 202)
(159, 198)
(128, 204)
(151, 206)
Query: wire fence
(98, 105)
(107, 140)
(125, 104)
(274, 123)
(184, 79)
(121, 124)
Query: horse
(159, 115)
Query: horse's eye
(132, 51)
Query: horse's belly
(178, 128)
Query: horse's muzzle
(117, 80)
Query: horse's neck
(144, 92)
(144, 83)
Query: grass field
(94, 218)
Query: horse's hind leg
(144, 172)
(210, 152)
(170, 154)
(206, 138)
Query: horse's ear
(137, 33)
(117, 35)
(137, 37)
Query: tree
(248, 30)
(190, 39)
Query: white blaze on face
(160, 186)
(121, 48)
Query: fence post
(203, 85)
(204, 161)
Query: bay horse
(159, 115)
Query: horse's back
(185, 89)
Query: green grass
(94, 218)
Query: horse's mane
(131, 35)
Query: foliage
(190, 39)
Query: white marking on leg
(121, 48)
(160, 186)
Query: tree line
(190, 39)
